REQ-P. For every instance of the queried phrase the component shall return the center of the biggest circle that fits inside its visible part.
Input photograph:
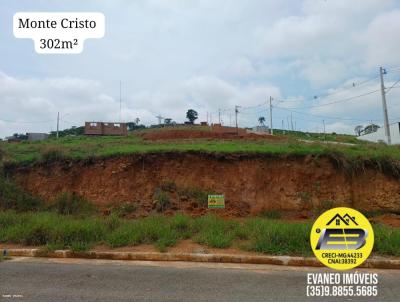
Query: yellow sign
(342, 238)
(216, 201)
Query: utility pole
(236, 121)
(58, 122)
(382, 71)
(270, 115)
(120, 101)
(219, 116)
(323, 122)
(230, 119)
(291, 121)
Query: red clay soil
(388, 219)
(251, 183)
(196, 134)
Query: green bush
(214, 231)
(182, 224)
(72, 231)
(128, 234)
(271, 214)
(281, 238)
(80, 246)
(200, 196)
(112, 222)
(71, 204)
(13, 197)
(387, 240)
(161, 200)
(53, 154)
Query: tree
(168, 121)
(371, 128)
(358, 130)
(73, 131)
(192, 115)
(261, 120)
(134, 125)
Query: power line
(338, 101)
(325, 117)
(393, 86)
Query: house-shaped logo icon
(346, 219)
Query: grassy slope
(84, 147)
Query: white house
(379, 136)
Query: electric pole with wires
(382, 71)
(236, 120)
(271, 131)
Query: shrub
(2, 154)
(84, 231)
(387, 240)
(112, 222)
(182, 225)
(52, 154)
(271, 214)
(126, 209)
(13, 197)
(127, 234)
(80, 246)
(161, 200)
(214, 231)
(71, 204)
(200, 196)
(281, 238)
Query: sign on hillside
(216, 201)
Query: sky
(318, 59)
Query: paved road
(33, 279)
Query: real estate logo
(342, 238)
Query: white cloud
(204, 54)
(32, 104)
(381, 39)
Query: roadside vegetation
(51, 231)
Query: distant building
(101, 128)
(261, 129)
(16, 138)
(33, 137)
(379, 135)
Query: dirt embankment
(171, 134)
(251, 183)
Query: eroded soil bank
(251, 183)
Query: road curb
(380, 263)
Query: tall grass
(82, 147)
(13, 197)
(53, 231)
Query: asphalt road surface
(33, 279)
